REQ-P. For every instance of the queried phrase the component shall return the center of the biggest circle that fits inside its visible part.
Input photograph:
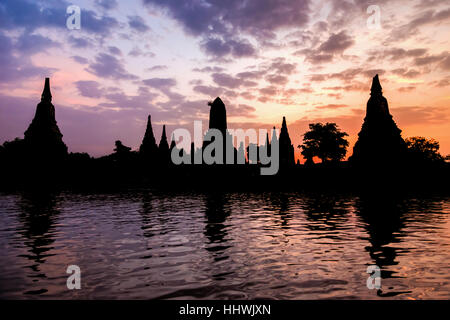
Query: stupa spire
(46, 94)
(163, 144)
(148, 146)
(283, 125)
(164, 151)
(43, 136)
(376, 86)
(286, 147)
(379, 142)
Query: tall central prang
(379, 142)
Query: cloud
(108, 66)
(317, 77)
(227, 81)
(335, 45)
(32, 15)
(407, 89)
(210, 91)
(332, 106)
(442, 82)
(17, 67)
(78, 42)
(241, 110)
(237, 48)
(137, 52)
(443, 58)
(80, 60)
(445, 63)
(277, 79)
(157, 68)
(165, 85)
(221, 24)
(412, 28)
(353, 86)
(90, 89)
(160, 83)
(251, 75)
(280, 65)
(209, 69)
(114, 50)
(396, 53)
(406, 73)
(107, 4)
(29, 44)
(138, 24)
(260, 17)
(347, 75)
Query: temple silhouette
(379, 142)
(42, 157)
(43, 139)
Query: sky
(311, 61)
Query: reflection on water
(143, 244)
(38, 214)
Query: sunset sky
(310, 61)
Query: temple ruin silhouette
(379, 142)
(149, 148)
(43, 139)
(42, 155)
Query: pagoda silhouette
(149, 149)
(218, 121)
(43, 139)
(286, 148)
(379, 142)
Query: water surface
(142, 244)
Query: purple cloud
(90, 89)
(33, 14)
(17, 67)
(138, 24)
(108, 66)
(220, 23)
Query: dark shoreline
(238, 178)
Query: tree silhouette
(423, 150)
(120, 148)
(325, 141)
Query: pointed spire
(283, 125)
(163, 144)
(46, 94)
(376, 86)
(43, 135)
(163, 136)
(148, 145)
(284, 130)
